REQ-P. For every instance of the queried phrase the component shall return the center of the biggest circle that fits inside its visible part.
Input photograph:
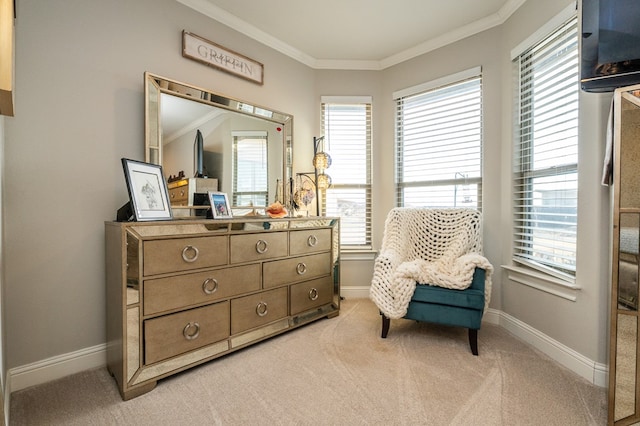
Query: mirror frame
(155, 85)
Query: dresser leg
(137, 391)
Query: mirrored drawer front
(162, 256)
(282, 272)
(258, 309)
(309, 241)
(184, 331)
(247, 248)
(164, 294)
(311, 294)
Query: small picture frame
(220, 207)
(148, 191)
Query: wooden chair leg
(473, 341)
(386, 322)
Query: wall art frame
(148, 193)
(212, 54)
(220, 207)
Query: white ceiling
(356, 34)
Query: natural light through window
(545, 193)
(347, 129)
(250, 177)
(439, 144)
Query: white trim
(595, 372)
(214, 12)
(249, 133)
(207, 8)
(346, 99)
(544, 31)
(95, 357)
(543, 282)
(57, 367)
(351, 255)
(439, 82)
(355, 292)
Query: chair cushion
(467, 298)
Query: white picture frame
(220, 207)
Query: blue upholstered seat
(461, 308)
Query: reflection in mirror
(205, 141)
(625, 392)
(628, 261)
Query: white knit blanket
(440, 247)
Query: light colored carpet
(340, 372)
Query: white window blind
(439, 146)
(250, 177)
(347, 131)
(545, 196)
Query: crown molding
(232, 21)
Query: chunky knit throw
(439, 247)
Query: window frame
(456, 181)
(366, 186)
(524, 171)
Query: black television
(610, 44)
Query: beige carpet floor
(340, 372)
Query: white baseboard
(96, 356)
(354, 292)
(594, 372)
(57, 367)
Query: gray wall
(582, 325)
(79, 109)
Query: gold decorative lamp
(321, 162)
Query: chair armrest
(478, 279)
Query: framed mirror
(206, 141)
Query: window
(439, 143)
(250, 179)
(545, 186)
(347, 130)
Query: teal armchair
(430, 268)
(461, 308)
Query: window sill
(358, 254)
(543, 282)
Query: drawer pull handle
(190, 254)
(312, 240)
(191, 331)
(313, 294)
(301, 268)
(261, 309)
(210, 285)
(262, 246)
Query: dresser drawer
(184, 331)
(311, 294)
(258, 309)
(164, 294)
(309, 241)
(251, 247)
(281, 272)
(178, 196)
(180, 254)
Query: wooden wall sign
(214, 55)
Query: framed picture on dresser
(148, 193)
(220, 205)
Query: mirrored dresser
(183, 292)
